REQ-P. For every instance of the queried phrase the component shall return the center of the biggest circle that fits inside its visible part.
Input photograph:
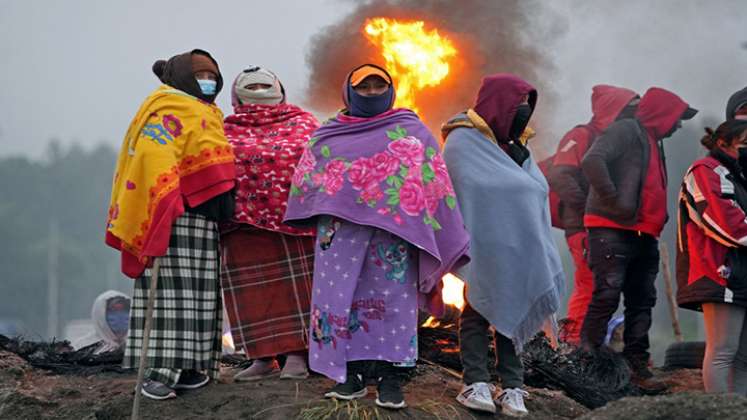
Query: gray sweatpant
(725, 362)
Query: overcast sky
(77, 70)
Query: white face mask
(269, 96)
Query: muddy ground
(29, 393)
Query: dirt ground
(28, 393)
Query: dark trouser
(622, 262)
(474, 340)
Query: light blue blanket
(515, 278)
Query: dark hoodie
(625, 167)
(565, 177)
(737, 99)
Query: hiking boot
(352, 389)
(639, 366)
(478, 396)
(295, 367)
(157, 390)
(191, 379)
(389, 391)
(260, 369)
(512, 402)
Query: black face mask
(627, 112)
(521, 119)
(742, 159)
(674, 128)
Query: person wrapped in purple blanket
(373, 181)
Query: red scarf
(268, 141)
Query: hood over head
(606, 104)
(498, 99)
(179, 72)
(660, 109)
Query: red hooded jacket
(625, 167)
(565, 176)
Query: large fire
(417, 58)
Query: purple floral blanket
(387, 173)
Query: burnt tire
(687, 354)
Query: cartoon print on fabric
(393, 258)
(406, 178)
(322, 324)
(321, 331)
(353, 326)
(327, 233)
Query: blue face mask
(369, 106)
(207, 86)
(118, 321)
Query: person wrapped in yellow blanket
(172, 185)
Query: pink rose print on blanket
(408, 150)
(305, 165)
(411, 197)
(333, 173)
(361, 173)
(383, 165)
(432, 197)
(442, 176)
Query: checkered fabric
(187, 319)
(266, 278)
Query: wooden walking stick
(667, 274)
(146, 337)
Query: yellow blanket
(175, 152)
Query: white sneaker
(512, 402)
(478, 396)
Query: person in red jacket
(712, 254)
(625, 212)
(567, 180)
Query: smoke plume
(490, 37)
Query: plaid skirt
(187, 320)
(266, 278)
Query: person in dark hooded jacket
(515, 278)
(567, 180)
(625, 214)
(736, 107)
(712, 245)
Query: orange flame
(416, 58)
(453, 291)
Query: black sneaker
(157, 390)
(389, 392)
(191, 379)
(352, 389)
